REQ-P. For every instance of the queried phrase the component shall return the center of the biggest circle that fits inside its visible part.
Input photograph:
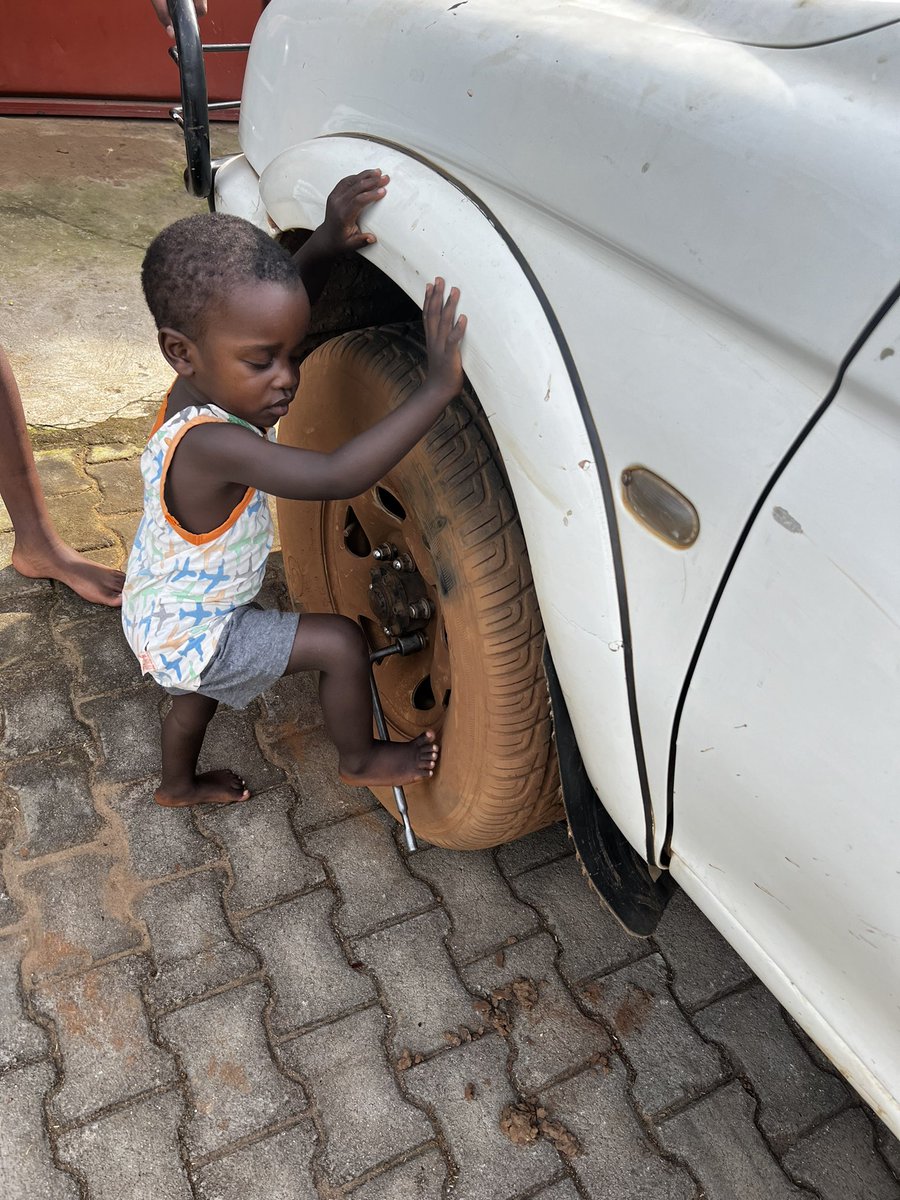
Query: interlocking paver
(104, 452)
(21, 1040)
(565, 1190)
(888, 1145)
(76, 520)
(236, 1086)
(36, 711)
(483, 910)
(120, 481)
(313, 772)
(341, 1063)
(127, 728)
(371, 875)
(276, 1168)
(703, 965)
(717, 1139)
(308, 969)
(23, 628)
(488, 1164)
(60, 472)
(617, 1160)
(551, 1036)
(161, 841)
(193, 947)
(592, 941)
(83, 918)
(14, 584)
(423, 992)
(421, 1179)
(839, 1161)
(132, 1154)
(793, 1092)
(9, 910)
(291, 703)
(104, 1038)
(27, 1171)
(230, 743)
(671, 1061)
(534, 850)
(54, 797)
(267, 861)
(105, 661)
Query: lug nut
(403, 562)
(420, 610)
(384, 552)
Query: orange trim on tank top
(160, 418)
(197, 539)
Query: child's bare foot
(90, 580)
(396, 763)
(213, 787)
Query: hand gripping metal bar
(407, 643)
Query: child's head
(231, 311)
(193, 264)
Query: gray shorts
(252, 654)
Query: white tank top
(181, 588)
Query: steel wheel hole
(355, 536)
(445, 703)
(389, 501)
(423, 695)
(371, 629)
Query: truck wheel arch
(521, 370)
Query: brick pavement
(275, 1000)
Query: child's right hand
(443, 334)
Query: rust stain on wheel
(446, 506)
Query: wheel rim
(415, 691)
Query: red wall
(77, 51)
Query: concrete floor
(79, 202)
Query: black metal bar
(194, 108)
(223, 47)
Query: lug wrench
(406, 643)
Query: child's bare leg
(182, 737)
(39, 552)
(335, 646)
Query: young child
(232, 312)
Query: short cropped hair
(193, 264)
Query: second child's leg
(182, 737)
(39, 552)
(335, 647)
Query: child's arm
(235, 455)
(340, 231)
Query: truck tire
(480, 681)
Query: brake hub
(397, 593)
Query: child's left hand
(340, 231)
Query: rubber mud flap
(614, 868)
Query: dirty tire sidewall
(497, 777)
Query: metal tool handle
(399, 794)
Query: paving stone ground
(277, 1002)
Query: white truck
(655, 550)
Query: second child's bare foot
(395, 763)
(90, 580)
(213, 787)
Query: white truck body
(677, 242)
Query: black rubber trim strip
(869, 328)
(843, 37)
(596, 447)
